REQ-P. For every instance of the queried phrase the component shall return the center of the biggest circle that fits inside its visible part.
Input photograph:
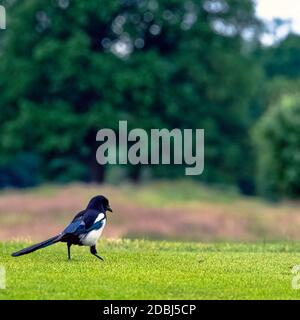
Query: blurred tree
(280, 86)
(69, 68)
(281, 65)
(277, 137)
(283, 59)
(279, 91)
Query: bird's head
(99, 203)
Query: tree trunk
(97, 172)
(135, 173)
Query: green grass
(153, 270)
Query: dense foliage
(277, 137)
(69, 68)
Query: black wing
(89, 217)
(81, 222)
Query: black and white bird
(84, 230)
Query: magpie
(84, 230)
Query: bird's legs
(69, 250)
(94, 252)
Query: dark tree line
(69, 68)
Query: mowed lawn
(139, 269)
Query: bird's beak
(109, 208)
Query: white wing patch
(91, 238)
(100, 216)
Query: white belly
(93, 236)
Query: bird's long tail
(38, 246)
